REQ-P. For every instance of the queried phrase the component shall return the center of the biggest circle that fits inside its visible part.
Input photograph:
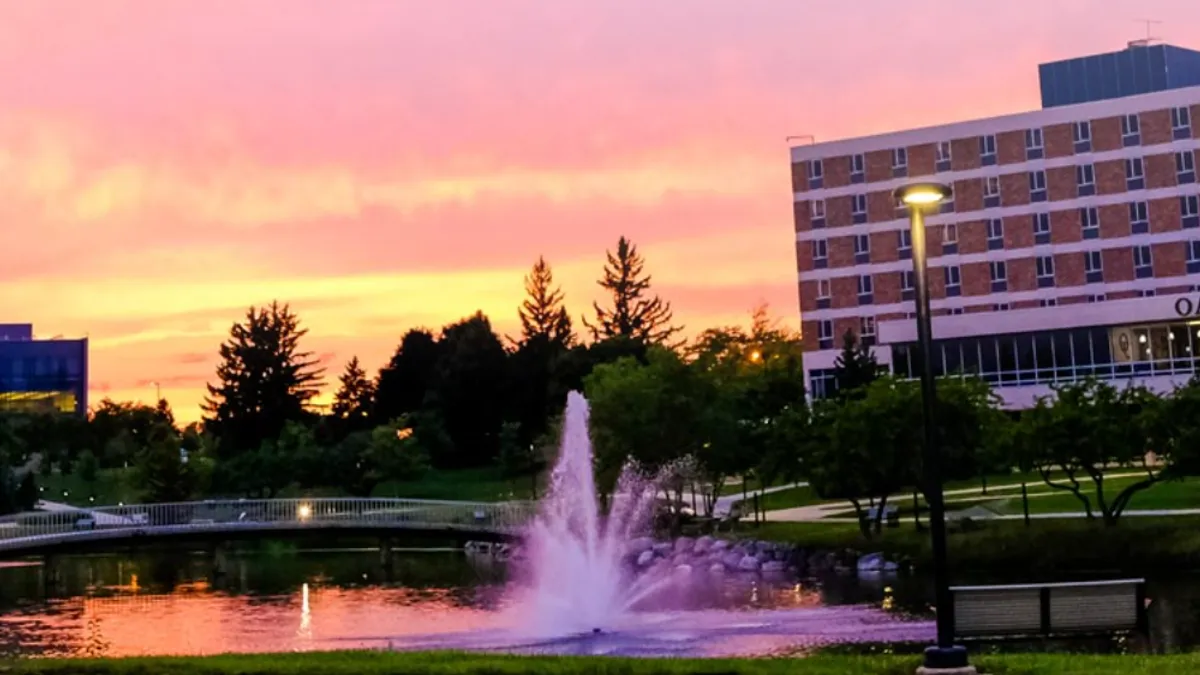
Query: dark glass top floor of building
(42, 375)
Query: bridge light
(304, 512)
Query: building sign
(1187, 307)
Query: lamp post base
(946, 661)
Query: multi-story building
(1070, 248)
(42, 375)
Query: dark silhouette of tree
(404, 382)
(634, 314)
(353, 402)
(543, 313)
(265, 380)
(162, 473)
(469, 391)
(855, 367)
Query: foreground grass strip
(450, 663)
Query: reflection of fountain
(577, 581)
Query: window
(825, 334)
(1001, 307)
(987, 150)
(1143, 267)
(1047, 302)
(816, 174)
(953, 281)
(866, 330)
(1093, 267)
(1131, 130)
(949, 239)
(1185, 167)
(1085, 179)
(955, 311)
(820, 251)
(1189, 209)
(904, 245)
(862, 249)
(947, 205)
(1041, 228)
(858, 208)
(1097, 298)
(1193, 256)
(857, 169)
(816, 213)
(1139, 218)
(1135, 175)
(1037, 186)
(991, 192)
(1034, 148)
(1045, 271)
(1083, 136)
(943, 156)
(907, 285)
(995, 234)
(1181, 123)
(1089, 222)
(866, 290)
(823, 294)
(999, 272)
(899, 162)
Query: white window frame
(1186, 209)
(1045, 266)
(1135, 168)
(1085, 174)
(862, 244)
(1138, 252)
(865, 279)
(907, 281)
(990, 182)
(953, 276)
(824, 289)
(1040, 219)
(854, 204)
(1089, 218)
(866, 327)
(1037, 181)
(816, 209)
(1192, 253)
(822, 332)
(995, 266)
(899, 158)
(1185, 161)
(1139, 212)
(987, 145)
(1034, 134)
(903, 240)
(820, 250)
(816, 169)
(950, 233)
(860, 161)
(1131, 125)
(1181, 118)
(999, 234)
(1082, 131)
(1088, 257)
(943, 152)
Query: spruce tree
(264, 380)
(855, 367)
(355, 397)
(634, 313)
(543, 313)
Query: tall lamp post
(945, 656)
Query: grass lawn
(1183, 494)
(112, 486)
(393, 663)
(784, 499)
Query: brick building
(1071, 246)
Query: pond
(283, 598)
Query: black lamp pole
(945, 655)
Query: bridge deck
(27, 533)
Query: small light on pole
(945, 655)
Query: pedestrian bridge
(40, 532)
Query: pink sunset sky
(383, 164)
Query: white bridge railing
(34, 528)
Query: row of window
(22, 367)
(1089, 227)
(1085, 186)
(1050, 357)
(1093, 267)
(1131, 135)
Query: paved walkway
(726, 502)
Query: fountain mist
(576, 574)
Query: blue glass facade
(42, 375)
(1140, 69)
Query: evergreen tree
(543, 313)
(354, 398)
(404, 383)
(265, 380)
(855, 367)
(634, 314)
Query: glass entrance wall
(1066, 355)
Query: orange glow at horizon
(165, 164)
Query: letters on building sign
(1187, 307)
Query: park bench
(1041, 610)
(891, 515)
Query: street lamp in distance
(945, 657)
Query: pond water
(170, 602)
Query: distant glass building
(42, 375)
(1141, 68)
